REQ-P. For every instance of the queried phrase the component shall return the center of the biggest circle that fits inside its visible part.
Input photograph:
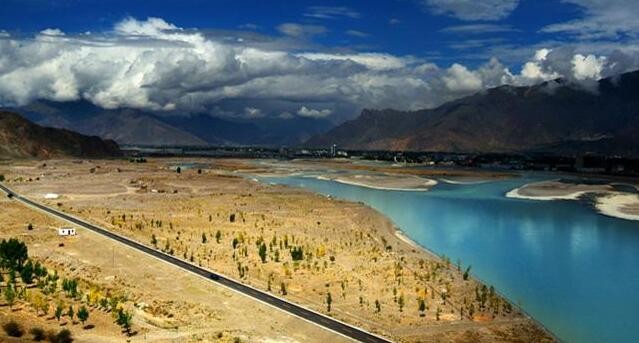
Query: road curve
(282, 304)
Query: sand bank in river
(384, 181)
(619, 205)
(608, 201)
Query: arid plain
(298, 245)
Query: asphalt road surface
(282, 304)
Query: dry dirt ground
(311, 246)
(170, 305)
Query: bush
(38, 334)
(64, 336)
(13, 329)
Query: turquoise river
(570, 268)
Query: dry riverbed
(291, 242)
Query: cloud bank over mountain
(155, 65)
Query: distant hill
(553, 116)
(20, 138)
(130, 126)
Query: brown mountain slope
(20, 138)
(552, 116)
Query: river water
(575, 271)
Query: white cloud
(459, 78)
(371, 60)
(588, 67)
(299, 30)
(356, 33)
(477, 29)
(52, 32)
(309, 112)
(601, 19)
(331, 12)
(472, 9)
(394, 21)
(155, 65)
(150, 27)
(252, 112)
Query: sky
(319, 59)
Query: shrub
(38, 334)
(64, 336)
(13, 329)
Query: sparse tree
(378, 306)
(422, 307)
(283, 288)
(59, 310)
(10, 295)
(26, 273)
(83, 314)
(218, 236)
(329, 301)
(203, 238)
(124, 320)
(71, 313)
(262, 252)
(400, 302)
(466, 273)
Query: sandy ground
(607, 201)
(177, 306)
(349, 251)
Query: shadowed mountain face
(552, 116)
(20, 138)
(129, 126)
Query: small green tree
(154, 240)
(10, 295)
(59, 310)
(71, 313)
(329, 301)
(400, 302)
(466, 273)
(422, 307)
(218, 236)
(124, 319)
(283, 288)
(203, 238)
(262, 252)
(26, 273)
(378, 306)
(83, 314)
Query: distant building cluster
(584, 163)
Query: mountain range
(20, 138)
(554, 116)
(137, 127)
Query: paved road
(284, 305)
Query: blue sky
(303, 58)
(397, 27)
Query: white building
(66, 231)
